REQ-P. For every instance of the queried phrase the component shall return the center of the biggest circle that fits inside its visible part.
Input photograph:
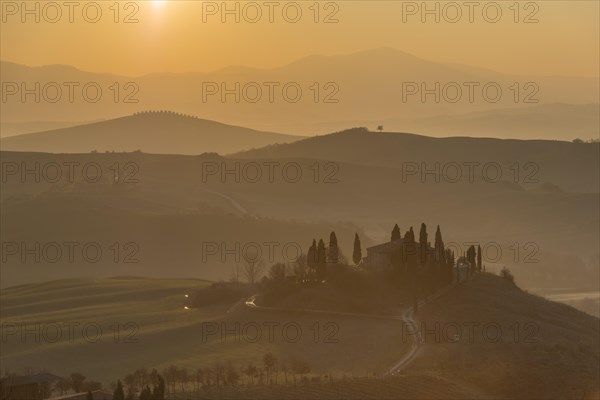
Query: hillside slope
(532, 348)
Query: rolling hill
(391, 149)
(152, 132)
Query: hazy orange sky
(170, 36)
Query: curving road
(408, 322)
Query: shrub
(506, 274)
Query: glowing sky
(172, 36)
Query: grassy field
(155, 331)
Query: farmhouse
(379, 257)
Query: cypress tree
(440, 257)
(471, 258)
(311, 257)
(159, 390)
(395, 233)
(423, 243)
(321, 260)
(119, 393)
(145, 394)
(357, 253)
(333, 253)
(412, 260)
(479, 258)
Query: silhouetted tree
(183, 377)
(269, 361)
(170, 373)
(411, 256)
(145, 394)
(277, 272)
(471, 259)
(440, 258)
(333, 253)
(119, 393)
(506, 274)
(159, 390)
(253, 269)
(311, 257)
(299, 367)
(395, 233)
(321, 261)
(439, 246)
(233, 376)
(300, 268)
(479, 258)
(251, 371)
(423, 244)
(357, 253)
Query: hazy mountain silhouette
(152, 132)
(367, 86)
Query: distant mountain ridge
(363, 86)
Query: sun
(158, 3)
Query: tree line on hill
(152, 385)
